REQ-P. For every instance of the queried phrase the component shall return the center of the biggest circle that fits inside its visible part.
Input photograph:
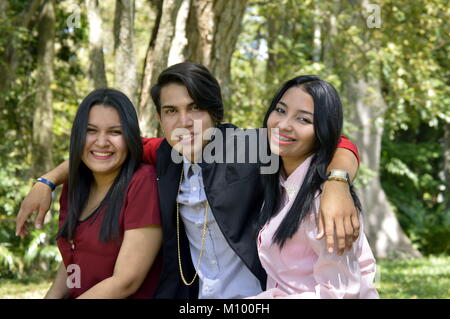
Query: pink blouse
(303, 268)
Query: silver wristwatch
(339, 175)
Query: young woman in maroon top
(109, 227)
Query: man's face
(183, 122)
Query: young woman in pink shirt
(304, 124)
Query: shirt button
(194, 189)
(213, 262)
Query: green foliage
(415, 64)
(42, 250)
(410, 53)
(410, 176)
(7, 258)
(249, 98)
(37, 251)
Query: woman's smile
(283, 139)
(101, 155)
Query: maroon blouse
(97, 259)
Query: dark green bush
(410, 176)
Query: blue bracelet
(50, 184)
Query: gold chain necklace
(178, 237)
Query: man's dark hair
(202, 86)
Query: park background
(389, 60)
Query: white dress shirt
(222, 273)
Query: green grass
(30, 288)
(398, 279)
(427, 278)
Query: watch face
(339, 173)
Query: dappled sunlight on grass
(417, 278)
(400, 279)
(14, 289)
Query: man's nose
(186, 119)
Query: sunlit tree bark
(97, 75)
(212, 30)
(179, 40)
(43, 113)
(361, 83)
(446, 147)
(156, 61)
(382, 228)
(8, 56)
(125, 77)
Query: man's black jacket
(235, 195)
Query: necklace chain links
(183, 278)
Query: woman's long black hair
(80, 176)
(328, 121)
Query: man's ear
(158, 116)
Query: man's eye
(195, 108)
(170, 111)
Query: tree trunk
(43, 114)
(179, 41)
(228, 20)
(125, 60)
(8, 58)
(446, 147)
(156, 61)
(366, 107)
(200, 31)
(272, 66)
(212, 30)
(97, 75)
(317, 36)
(385, 235)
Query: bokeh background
(389, 60)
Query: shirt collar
(188, 164)
(293, 183)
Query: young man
(208, 208)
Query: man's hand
(38, 200)
(338, 216)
